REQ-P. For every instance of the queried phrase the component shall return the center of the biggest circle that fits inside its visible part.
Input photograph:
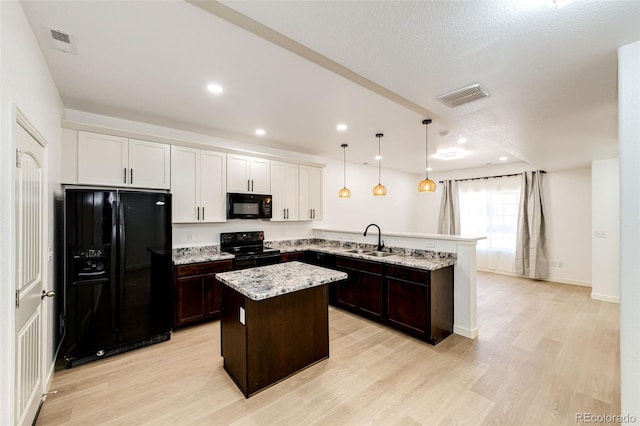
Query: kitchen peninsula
(275, 322)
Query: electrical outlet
(601, 234)
(430, 244)
(556, 264)
(189, 236)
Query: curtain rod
(491, 177)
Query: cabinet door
(149, 164)
(315, 192)
(347, 290)
(310, 193)
(102, 159)
(213, 186)
(213, 296)
(238, 179)
(284, 189)
(190, 299)
(370, 294)
(260, 175)
(408, 305)
(185, 184)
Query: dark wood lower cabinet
(362, 291)
(291, 256)
(416, 301)
(197, 294)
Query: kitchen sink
(379, 253)
(358, 251)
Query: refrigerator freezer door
(145, 267)
(90, 293)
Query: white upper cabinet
(117, 161)
(102, 159)
(198, 185)
(149, 164)
(284, 189)
(248, 174)
(310, 193)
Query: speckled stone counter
(413, 258)
(273, 280)
(187, 255)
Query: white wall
(567, 195)
(605, 226)
(395, 212)
(25, 82)
(629, 133)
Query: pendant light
(379, 189)
(344, 192)
(426, 185)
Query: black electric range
(248, 249)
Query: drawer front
(408, 274)
(360, 265)
(204, 268)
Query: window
(489, 207)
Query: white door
(149, 164)
(213, 186)
(29, 276)
(260, 170)
(185, 184)
(238, 178)
(103, 159)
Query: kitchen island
(275, 322)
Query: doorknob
(49, 293)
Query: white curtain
(489, 208)
(449, 219)
(531, 248)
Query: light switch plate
(242, 319)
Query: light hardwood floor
(546, 352)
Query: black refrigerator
(118, 272)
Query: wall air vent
(62, 41)
(463, 95)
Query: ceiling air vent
(62, 41)
(463, 95)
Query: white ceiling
(375, 65)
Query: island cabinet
(362, 291)
(197, 294)
(420, 302)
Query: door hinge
(18, 155)
(17, 298)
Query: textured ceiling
(297, 68)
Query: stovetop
(245, 244)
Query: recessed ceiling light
(503, 158)
(260, 132)
(215, 88)
(378, 157)
(462, 140)
(341, 127)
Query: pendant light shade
(344, 192)
(426, 184)
(379, 190)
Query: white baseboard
(558, 280)
(466, 332)
(605, 298)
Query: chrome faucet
(380, 243)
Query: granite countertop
(264, 282)
(187, 255)
(412, 258)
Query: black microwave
(248, 206)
